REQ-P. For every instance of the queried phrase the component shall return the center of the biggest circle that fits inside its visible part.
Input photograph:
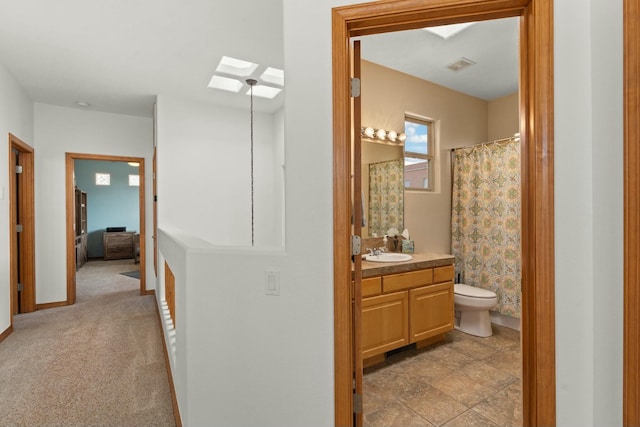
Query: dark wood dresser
(119, 245)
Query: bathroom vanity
(405, 302)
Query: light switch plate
(272, 283)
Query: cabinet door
(385, 323)
(431, 311)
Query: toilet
(474, 304)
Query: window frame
(429, 157)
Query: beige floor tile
(504, 408)
(508, 360)
(469, 419)
(434, 405)
(486, 374)
(428, 369)
(447, 356)
(394, 414)
(390, 384)
(464, 389)
(438, 384)
(473, 349)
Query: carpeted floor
(98, 362)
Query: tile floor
(463, 381)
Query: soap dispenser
(384, 241)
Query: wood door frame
(69, 190)
(631, 352)
(27, 212)
(537, 133)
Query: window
(103, 179)
(134, 180)
(418, 153)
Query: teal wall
(115, 205)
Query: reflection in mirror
(382, 187)
(418, 154)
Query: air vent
(460, 64)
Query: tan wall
(503, 117)
(460, 120)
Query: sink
(388, 257)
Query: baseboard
(150, 292)
(504, 320)
(6, 333)
(174, 398)
(51, 305)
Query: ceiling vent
(460, 64)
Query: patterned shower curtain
(485, 220)
(386, 196)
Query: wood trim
(6, 333)
(538, 250)
(631, 356)
(71, 258)
(172, 388)
(536, 95)
(27, 217)
(170, 291)
(343, 354)
(51, 305)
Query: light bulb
(402, 137)
(381, 134)
(392, 135)
(369, 132)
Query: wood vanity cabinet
(408, 307)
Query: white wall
(204, 169)
(16, 117)
(588, 217)
(588, 362)
(59, 130)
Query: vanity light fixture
(381, 135)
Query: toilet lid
(472, 291)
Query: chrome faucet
(376, 251)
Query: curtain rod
(496, 141)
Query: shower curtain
(485, 220)
(386, 196)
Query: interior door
(357, 216)
(21, 219)
(155, 214)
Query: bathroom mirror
(382, 187)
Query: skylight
(273, 75)
(232, 74)
(225, 83)
(236, 67)
(265, 91)
(446, 31)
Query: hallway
(96, 363)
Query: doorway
(22, 222)
(71, 238)
(536, 122)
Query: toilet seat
(472, 291)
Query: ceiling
(492, 45)
(117, 55)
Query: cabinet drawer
(443, 274)
(413, 279)
(371, 286)
(385, 323)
